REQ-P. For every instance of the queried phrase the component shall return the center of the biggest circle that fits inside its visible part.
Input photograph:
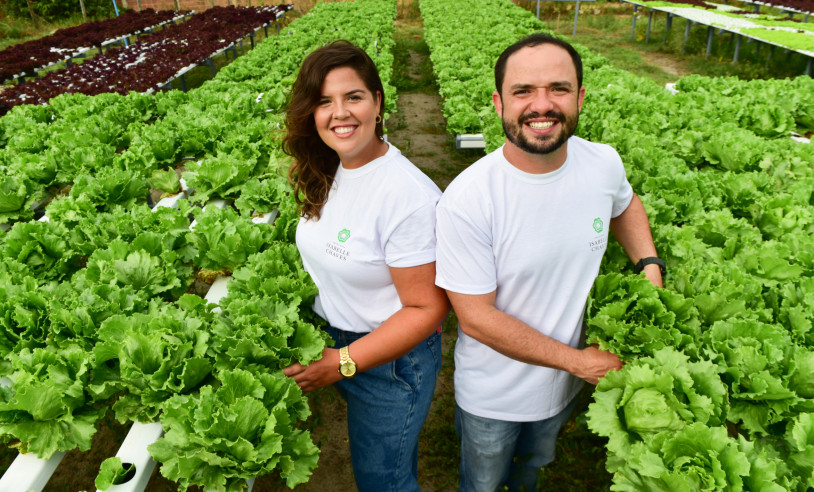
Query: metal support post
(710, 34)
(808, 67)
(757, 9)
(686, 36)
(771, 52)
(211, 64)
(649, 22)
(757, 48)
(635, 14)
(183, 83)
(576, 15)
(667, 29)
(538, 9)
(251, 38)
(277, 23)
(737, 49)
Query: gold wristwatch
(347, 367)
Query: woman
(367, 238)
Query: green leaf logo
(344, 235)
(598, 224)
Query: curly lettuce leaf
(42, 247)
(262, 196)
(694, 458)
(225, 240)
(219, 437)
(630, 317)
(157, 355)
(112, 472)
(653, 395)
(17, 196)
(143, 264)
(225, 174)
(47, 407)
(751, 358)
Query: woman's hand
(317, 374)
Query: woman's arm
(424, 307)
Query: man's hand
(596, 363)
(317, 374)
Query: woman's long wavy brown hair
(315, 164)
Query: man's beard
(542, 144)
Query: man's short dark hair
(530, 42)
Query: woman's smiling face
(345, 118)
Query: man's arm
(480, 319)
(632, 230)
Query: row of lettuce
(97, 302)
(717, 391)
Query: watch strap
(347, 367)
(344, 355)
(649, 261)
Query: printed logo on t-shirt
(344, 235)
(600, 242)
(337, 251)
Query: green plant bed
(774, 21)
(801, 39)
(792, 40)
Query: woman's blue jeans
(497, 453)
(387, 407)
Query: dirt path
(421, 135)
(669, 63)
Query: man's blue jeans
(387, 407)
(497, 453)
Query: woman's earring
(378, 119)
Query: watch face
(347, 369)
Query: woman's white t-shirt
(378, 216)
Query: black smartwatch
(649, 261)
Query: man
(521, 234)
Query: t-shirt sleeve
(412, 242)
(624, 192)
(465, 260)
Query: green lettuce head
(653, 396)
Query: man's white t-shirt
(377, 216)
(538, 241)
